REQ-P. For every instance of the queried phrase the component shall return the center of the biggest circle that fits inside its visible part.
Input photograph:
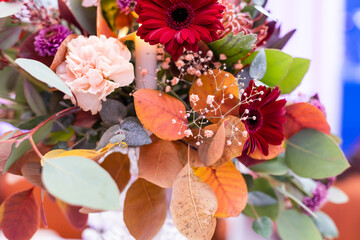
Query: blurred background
(328, 33)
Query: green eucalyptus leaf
(86, 16)
(117, 138)
(81, 182)
(44, 74)
(33, 122)
(326, 225)
(25, 145)
(313, 154)
(34, 99)
(10, 8)
(235, 47)
(112, 112)
(257, 198)
(108, 135)
(135, 135)
(263, 226)
(337, 196)
(296, 200)
(271, 211)
(296, 226)
(276, 166)
(258, 66)
(282, 70)
(60, 136)
(9, 37)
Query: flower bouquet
(178, 100)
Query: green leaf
(44, 74)
(235, 47)
(81, 182)
(25, 145)
(296, 226)
(271, 211)
(326, 225)
(135, 135)
(60, 136)
(109, 8)
(9, 36)
(313, 154)
(282, 70)
(34, 99)
(112, 112)
(263, 226)
(257, 198)
(296, 73)
(337, 196)
(276, 166)
(108, 135)
(10, 8)
(86, 16)
(295, 199)
(258, 66)
(33, 122)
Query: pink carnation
(94, 68)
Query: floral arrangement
(193, 94)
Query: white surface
(320, 35)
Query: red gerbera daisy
(263, 117)
(179, 24)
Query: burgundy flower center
(180, 16)
(254, 120)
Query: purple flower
(315, 101)
(124, 3)
(318, 199)
(49, 40)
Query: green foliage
(86, 16)
(109, 8)
(337, 196)
(282, 70)
(312, 154)
(34, 99)
(58, 136)
(235, 47)
(135, 135)
(44, 74)
(112, 112)
(9, 8)
(9, 37)
(326, 225)
(271, 211)
(25, 145)
(80, 182)
(296, 226)
(258, 66)
(276, 166)
(263, 226)
(257, 198)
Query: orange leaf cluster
(219, 84)
(229, 187)
(304, 115)
(157, 112)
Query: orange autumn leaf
(212, 149)
(77, 219)
(304, 115)
(159, 162)
(157, 111)
(118, 166)
(102, 27)
(229, 187)
(235, 140)
(21, 216)
(274, 151)
(186, 155)
(144, 209)
(220, 84)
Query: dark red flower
(179, 24)
(263, 116)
